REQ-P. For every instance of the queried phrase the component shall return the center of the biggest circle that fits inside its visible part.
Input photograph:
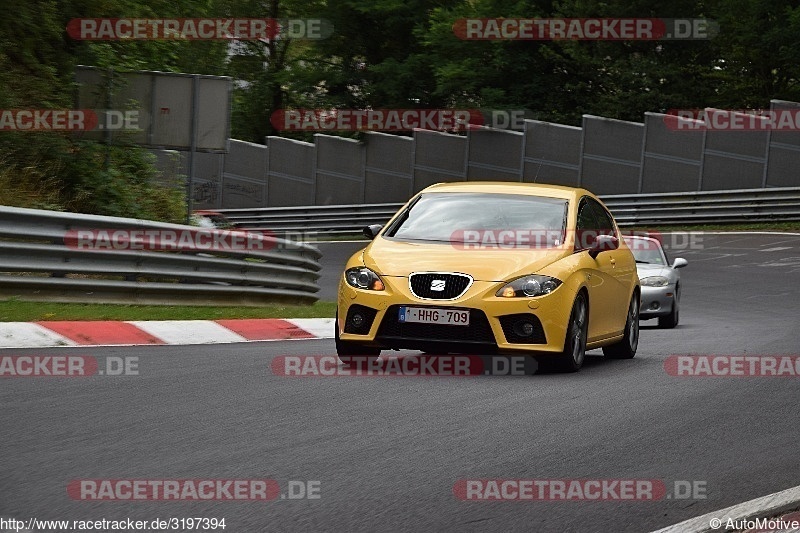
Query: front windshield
(646, 251)
(443, 217)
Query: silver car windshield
(646, 251)
(442, 216)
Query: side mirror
(603, 243)
(679, 262)
(371, 231)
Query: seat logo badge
(438, 285)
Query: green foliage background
(383, 54)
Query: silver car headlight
(654, 281)
(363, 278)
(529, 286)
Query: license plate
(429, 315)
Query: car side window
(586, 228)
(605, 224)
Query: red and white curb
(158, 332)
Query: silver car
(661, 282)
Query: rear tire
(626, 348)
(571, 359)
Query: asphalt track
(388, 450)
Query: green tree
(759, 57)
(37, 61)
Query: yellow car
(492, 267)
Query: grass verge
(20, 311)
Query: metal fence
(709, 207)
(39, 260)
(609, 157)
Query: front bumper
(656, 301)
(492, 319)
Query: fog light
(357, 320)
(523, 328)
(654, 306)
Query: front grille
(514, 336)
(423, 284)
(368, 315)
(478, 332)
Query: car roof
(510, 187)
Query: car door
(599, 273)
(620, 267)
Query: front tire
(626, 348)
(571, 359)
(671, 320)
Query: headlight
(529, 286)
(654, 281)
(363, 278)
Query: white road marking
(30, 335)
(188, 331)
(321, 328)
(766, 506)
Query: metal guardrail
(704, 207)
(36, 263)
(331, 219)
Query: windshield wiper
(643, 262)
